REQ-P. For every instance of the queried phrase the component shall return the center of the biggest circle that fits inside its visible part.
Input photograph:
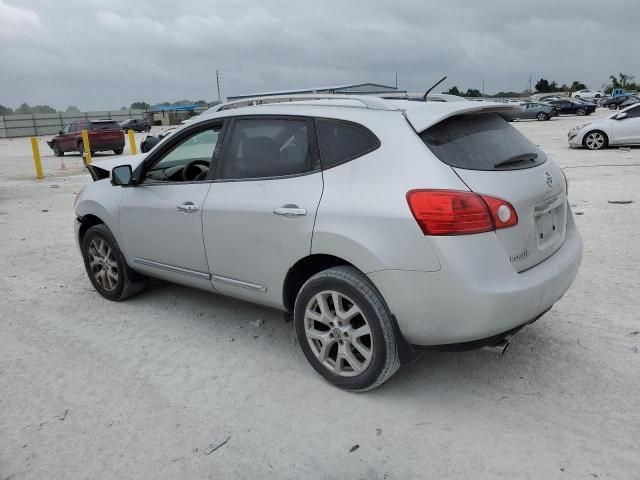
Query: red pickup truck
(104, 135)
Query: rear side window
(267, 148)
(340, 142)
(481, 142)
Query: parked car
(587, 94)
(573, 107)
(378, 225)
(104, 135)
(614, 103)
(632, 100)
(136, 124)
(531, 110)
(622, 128)
(151, 141)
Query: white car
(587, 94)
(380, 226)
(622, 128)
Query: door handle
(188, 207)
(290, 211)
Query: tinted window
(481, 142)
(633, 112)
(102, 125)
(341, 142)
(267, 148)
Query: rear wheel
(577, 96)
(612, 106)
(106, 267)
(118, 151)
(582, 112)
(56, 150)
(595, 140)
(345, 330)
(542, 116)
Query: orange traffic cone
(62, 165)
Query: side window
(66, 128)
(264, 147)
(341, 142)
(633, 112)
(188, 161)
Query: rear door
(493, 158)
(258, 217)
(627, 129)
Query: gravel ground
(148, 387)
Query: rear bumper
(105, 146)
(477, 294)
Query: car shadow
(430, 371)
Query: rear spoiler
(424, 116)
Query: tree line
(26, 109)
(621, 80)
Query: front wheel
(345, 329)
(595, 140)
(542, 116)
(582, 112)
(118, 151)
(106, 267)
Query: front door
(627, 130)
(258, 217)
(161, 218)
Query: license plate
(549, 221)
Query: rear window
(481, 142)
(103, 125)
(340, 142)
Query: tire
(56, 150)
(582, 112)
(542, 116)
(148, 129)
(595, 140)
(100, 249)
(126, 130)
(577, 96)
(612, 106)
(352, 289)
(598, 95)
(118, 151)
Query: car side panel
(364, 217)
(102, 200)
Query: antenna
(434, 86)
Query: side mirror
(60, 132)
(622, 115)
(122, 175)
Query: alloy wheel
(595, 141)
(103, 265)
(338, 333)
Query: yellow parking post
(87, 147)
(132, 143)
(36, 158)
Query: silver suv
(380, 226)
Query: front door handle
(188, 207)
(290, 211)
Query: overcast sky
(103, 54)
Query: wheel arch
(304, 269)
(86, 222)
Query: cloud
(103, 54)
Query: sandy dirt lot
(148, 387)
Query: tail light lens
(451, 212)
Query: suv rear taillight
(452, 212)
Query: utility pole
(396, 80)
(218, 83)
(483, 88)
(530, 91)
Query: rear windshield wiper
(526, 157)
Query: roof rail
(367, 101)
